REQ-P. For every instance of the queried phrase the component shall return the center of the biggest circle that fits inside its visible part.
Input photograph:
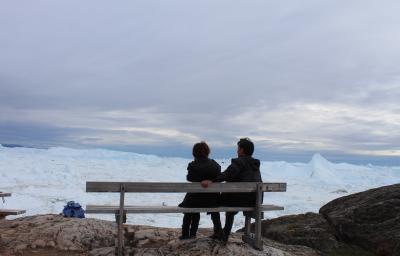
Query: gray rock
(38, 243)
(20, 247)
(308, 229)
(370, 219)
(106, 251)
(57, 232)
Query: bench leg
(246, 237)
(255, 239)
(120, 221)
(247, 225)
(258, 241)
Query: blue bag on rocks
(73, 210)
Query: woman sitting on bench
(202, 168)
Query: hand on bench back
(205, 183)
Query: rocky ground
(362, 224)
(56, 235)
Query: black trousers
(190, 224)
(229, 218)
(216, 221)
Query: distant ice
(43, 180)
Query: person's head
(245, 147)
(201, 150)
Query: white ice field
(43, 180)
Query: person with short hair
(202, 168)
(244, 168)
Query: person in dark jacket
(202, 168)
(244, 168)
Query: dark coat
(242, 169)
(199, 170)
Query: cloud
(318, 127)
(309, 76)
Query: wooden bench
(161, 187)
(6, 212)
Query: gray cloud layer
(297, 77)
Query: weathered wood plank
(4, 194)
(247, 225)
(120, 220)
(258, 241)
(133, 209)
(271, 207)
(158, 187)
(274, 187)
(11, 212)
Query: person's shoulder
(245, 159)
(256, 161)
(214, 162)
(190, 165)
(236, 161)
(198, 162)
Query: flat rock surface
(55, 235)
(370, 219)
(308, 229)
(55, 232)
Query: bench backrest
(179, 187)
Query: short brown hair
(201, 149)
(247, 145)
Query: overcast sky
(297, 77)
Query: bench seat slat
(11, 212)
(179, 187)
(133, 209)
(4, 194)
